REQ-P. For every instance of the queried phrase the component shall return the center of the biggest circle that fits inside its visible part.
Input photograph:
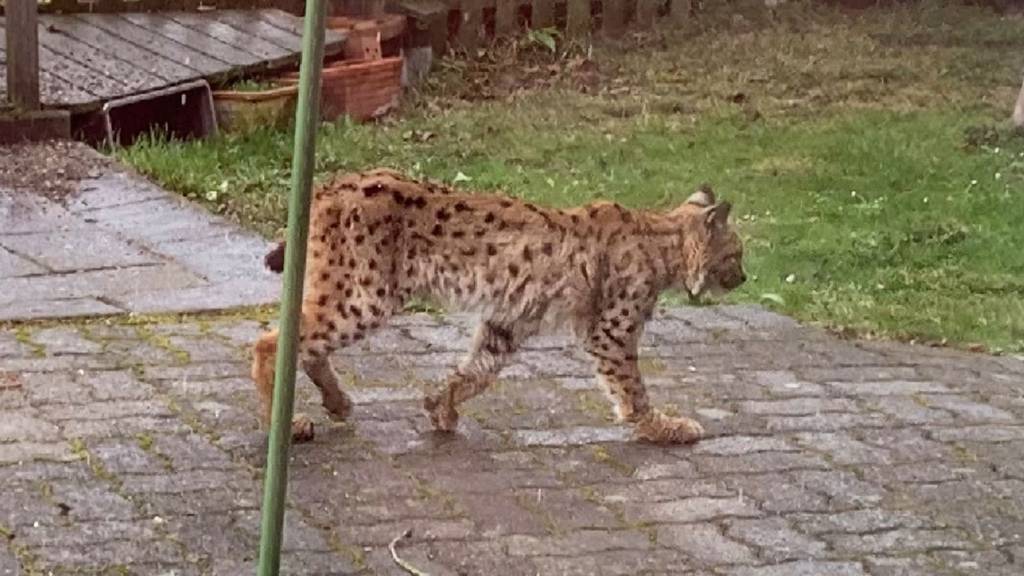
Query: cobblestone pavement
(118, 243)
(134, 449)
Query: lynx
(378, 238)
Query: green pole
(306, 119)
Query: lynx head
(712, 251)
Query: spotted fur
(379, 238)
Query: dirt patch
(51, 169)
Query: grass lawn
(874, 179)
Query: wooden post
(646, 13)
(578, 17)
(678, 12)
(543, 14)
(505, 14)
(22, 53)
(614, 17)
(1018, 110)
(469, 28)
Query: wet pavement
(113, 243)
(134, 449)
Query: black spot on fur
(462, 207)
(373, 189)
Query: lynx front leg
(491, 349)
(615, 350)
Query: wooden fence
(473, 21)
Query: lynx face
(713, 251)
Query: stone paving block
(758, 462)
(80, 249)
(115, 284)
(857, 521)
(858, 373)
(696, 509)
(28, 213)
(705, 544)
(13, 453)
(9, 565)
(899, 541)
(50, 307)
(112, 188)
(979, 433)
(25, 505)
(578, 543)
(759, 317)
(199, 296)
(737, 445)
(843, 449)
(826, 422)
(889, 388)
(802, 568)
(26, 427)
(968, 409)
(778, 493)
(13, 265)
(774, 539)
(90, 501)
(843, 489)
(664, 490)
(798, 406)
(571, 436)
(616, 563)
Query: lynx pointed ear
(704, 196)
(716, 217)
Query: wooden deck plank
(104, 63)
(118, 27)
(220, 31)
(334, 41)
(81, 79)
(88, 59)
(252, 22)
(285, 22)
(192, 38)
(144, 57)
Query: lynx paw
(339, 408)
(302, 429)
(442, 415)
(662, 429)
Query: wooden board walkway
(88, 59)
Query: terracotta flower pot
(362, 90)
(241, 111)
(365, 35)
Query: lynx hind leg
(263, 369)
(335, 400)
(492, 348)
(264, 356)
(615, 352)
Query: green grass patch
(873, 181)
